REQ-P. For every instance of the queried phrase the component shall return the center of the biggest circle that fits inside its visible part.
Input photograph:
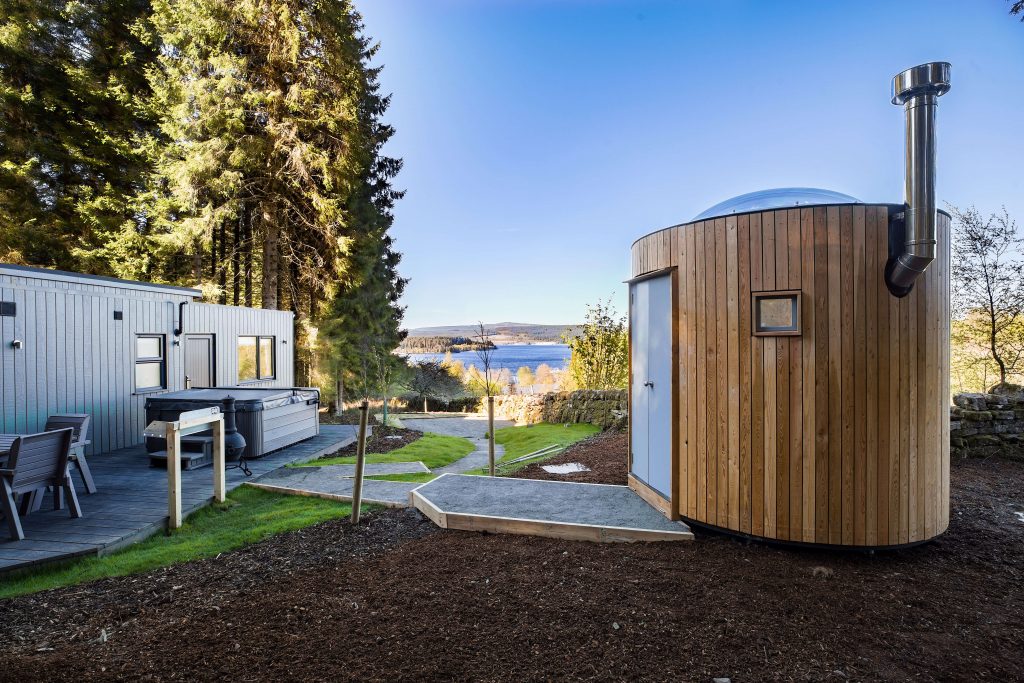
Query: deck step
(190, 460)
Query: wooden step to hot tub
(196, 452)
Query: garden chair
(35, 462)
(79, 422)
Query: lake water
(512, 356)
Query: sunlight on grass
(415, 478)
(434, 450)
(249, 515)
(519, 441)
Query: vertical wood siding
(76, 358)
(839, 435)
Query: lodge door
(199, 369)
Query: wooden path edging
(570, 531)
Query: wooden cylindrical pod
(807, 404)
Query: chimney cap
(922, 79)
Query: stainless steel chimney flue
(918, 89)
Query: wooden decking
(131, 503)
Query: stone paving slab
(548, 508)
(373, 468)
(321, 482)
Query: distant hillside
(504, 333)
(440, 344)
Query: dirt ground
(604, 454)
(398, 600)
(382, 440)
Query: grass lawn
(417, 478)
(434, 450)
(520, 441)
(249, 515)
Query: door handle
(649, 384)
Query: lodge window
(150, 363)
(256, 358)
(776, 313)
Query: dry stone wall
(606, 409)
(982, 423)
(979, 424)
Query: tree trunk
(236, 257)
(490, 434)
(282, 277)
(222, 269)
(197, 261)
(425, 404)
(213, 253)
(271, 260)
(339, 390)
(248, 256)
(995, 354)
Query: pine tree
(364, 315)
(272, 119)
(72, 133)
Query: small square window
(150, 363)
(776, 313)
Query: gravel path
(472, 427)
(329, 482)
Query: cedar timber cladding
(836, 436)
(75, 357)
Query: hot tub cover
(247, 399)
(778, 198)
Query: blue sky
(541, 138)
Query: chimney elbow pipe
(918, 89)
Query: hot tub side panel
(839, 435)
(288, 424)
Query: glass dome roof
(779, 198)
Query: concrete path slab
(374, 468)
(466, 426)
(472, 427)
(322, 482)
(595, 512)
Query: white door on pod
(650, 328)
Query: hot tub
(269, 419)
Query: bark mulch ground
(382, 440)
(603, 453)
(397, 600)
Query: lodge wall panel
(75, 357)
(838, 435)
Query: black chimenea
(234, 442)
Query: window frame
(759, 330)
(260, 377)
(160, 361)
